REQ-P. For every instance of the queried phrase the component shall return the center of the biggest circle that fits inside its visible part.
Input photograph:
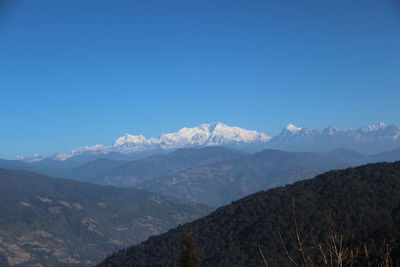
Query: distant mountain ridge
(216, 175)
(137, 172)
(211, 175)
(371, 139)
(219, 183)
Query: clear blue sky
(84, 72)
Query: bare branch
(263, 257)
(298, 239)
(287, 252)
(324, 259)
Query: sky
(76, 73)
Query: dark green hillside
(59, 222)
(364, 202)
(222, 182)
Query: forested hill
(58, 222)
(363, 204)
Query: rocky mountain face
(58, 222)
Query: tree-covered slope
(57, 222)
(364, 203)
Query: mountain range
(48, 221)
(346, 204)
(213, 134)
(211, 175)
(367, 140)
(221, 182)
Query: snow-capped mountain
(370, 139)
(213, 134)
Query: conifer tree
(189, 256)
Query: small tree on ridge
(189, 256)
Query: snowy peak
(291, 128)
(35, 157)
(131, 139)
(88, 148)
(331, 130)
(210, 134)
(375, 127)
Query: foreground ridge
(364, 201)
